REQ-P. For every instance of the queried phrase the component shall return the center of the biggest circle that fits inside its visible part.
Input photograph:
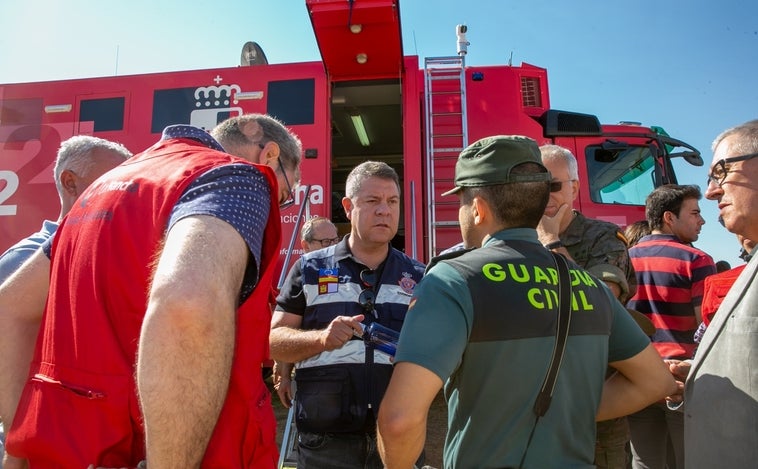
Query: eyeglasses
(289, 201)
(720, 171)
(326, 242)
(367, 297)
(556, 186)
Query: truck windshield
(622, 175)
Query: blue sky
(689, 67)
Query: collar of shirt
(342, 252)
(194, 133)
(514, 234)
(662, 237)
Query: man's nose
(712, 190)
(383, 207)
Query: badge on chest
(328, 281)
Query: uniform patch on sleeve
(328, 281)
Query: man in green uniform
(599, 247)
(483, 322)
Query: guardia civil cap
(489, 162)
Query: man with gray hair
(600, 248)
(721, 392)
(596, 245)
(168, 258)
(81, 159)
(329, 295)
(317, 233)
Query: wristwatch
(554, 245)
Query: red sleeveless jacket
(80, 406)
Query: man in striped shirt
(670, 276)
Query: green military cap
(489, 161)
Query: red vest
(80, 406)
(715, 290)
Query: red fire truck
(364, 100)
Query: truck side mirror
(691, 157)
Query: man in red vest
(157, 315)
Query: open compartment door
(358, 39)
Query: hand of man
(283, 382)
(548, 229)
(340, 330)
(679, 369)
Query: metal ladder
(288, 452)
(446, 137)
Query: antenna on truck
(460, 32)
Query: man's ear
(480, 211)
(271, 151)
(304, 244)
(347, 205)
(68, 181)
(574, 190)
(668, 218)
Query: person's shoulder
(655, 241)
(220, 173)
(408, 260)
(448, 255)
(319, 256)
(699, 253)
(444, 272)
(695, 254)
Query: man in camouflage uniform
(600, 248)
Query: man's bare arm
(22, 301)
(640, 381)
(187, 339)
(291, 344)
(401, 424)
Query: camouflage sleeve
(609, 261)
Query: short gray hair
(306, 233)
(559, 153)
(229, 134)
(369, 169)
(747, 137)
(75, 154)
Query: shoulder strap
(545, 396)
(561, 336)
